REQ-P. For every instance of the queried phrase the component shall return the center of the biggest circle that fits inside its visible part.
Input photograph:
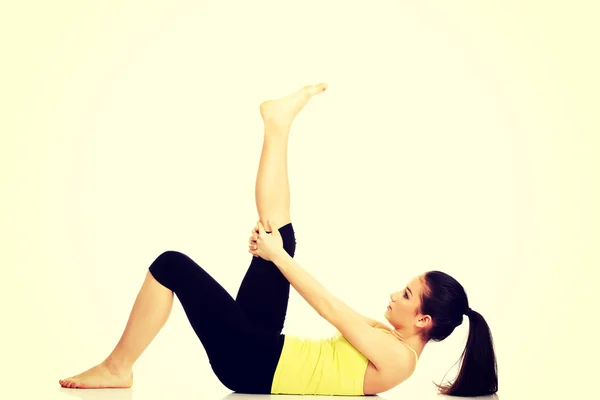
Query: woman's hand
(266, 244)
(253, 238)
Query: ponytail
(478, 375)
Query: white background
(453, 136)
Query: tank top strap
(403, 342)
(413, 350)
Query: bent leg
(150, 311)
(242, 354)
(149, 314)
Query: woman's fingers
(253, 246)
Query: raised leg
(272, 190)
(264, 291)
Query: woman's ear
(424, 321)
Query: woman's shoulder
(384, 329)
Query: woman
(243, 338)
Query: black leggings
(242, 337)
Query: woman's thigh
(265, 291)
(233, 343)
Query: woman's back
(330, 366)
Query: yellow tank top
(330, 366)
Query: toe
(315, 89)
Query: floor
(150, 393)
(150, 390)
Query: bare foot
(283, 111)
(102, 375)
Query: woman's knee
(174, 257)
(289, 238)
(166, 259)
(169, 263)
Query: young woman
(242, 337)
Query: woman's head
(431, 306)
(405, 305)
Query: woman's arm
(312, 291)
(352, 325)
(319, 298)
(376, 324)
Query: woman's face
(405, 303)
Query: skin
(407, 323)
(154, 302)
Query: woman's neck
(413, 340)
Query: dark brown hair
(445, 300)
